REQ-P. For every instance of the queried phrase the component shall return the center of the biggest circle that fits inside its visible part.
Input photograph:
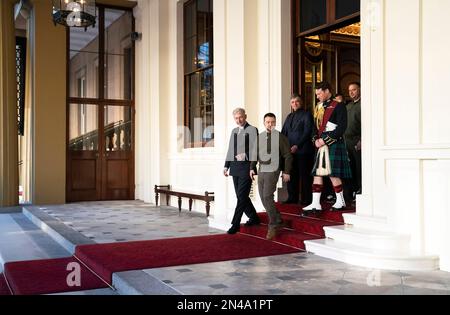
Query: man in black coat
(237, 165)
(298, 128)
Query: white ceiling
(79, 38)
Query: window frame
(188, 75)
(331, 20)
(297, 36)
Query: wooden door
(100, 112)
(83, 155)
(100, 160)
(117, 166)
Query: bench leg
(157, 198)
(179, 204)
(207, 209)
(190, 205)
(168, 200)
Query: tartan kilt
(340, 165)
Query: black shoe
(338, 209)
(253, 222)
(233, 230)
(289, 202)
(307, 213)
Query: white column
(147, 99)
(405, 128)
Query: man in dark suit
(298, 128)
(237, 165)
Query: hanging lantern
(74, 13)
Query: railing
(117, 137)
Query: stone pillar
(48, 125)
(9, 172)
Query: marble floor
(294, 274)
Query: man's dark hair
(324, 86)
(297, 96)
(355, 83)
(270, 115)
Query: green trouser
(267, 185)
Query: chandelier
(74, 13)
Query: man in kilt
(330, 125)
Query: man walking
(331, 123)
(242, 140)
(274, 155)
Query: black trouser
(301, 174)
(354, 184)
(242, 187)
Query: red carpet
(286, 236)
(298, 229)
(47, 276)
(50, 276)
(326, 214)
(106, 259)
(4, 290)
(302, 224)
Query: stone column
(9, 172)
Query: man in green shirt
(353, 139)
(274, 155)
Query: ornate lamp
(74, 13)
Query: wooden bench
(207, 197)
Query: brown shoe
(271, 233)
(281, 226)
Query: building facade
(405, 204)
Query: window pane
(189, 19)
(204, 53)
(117, 128)
(347, 7)
(83, 74)
(83, 127)
(81, 40)
(313, 13)
(118, 76)
(198, 54)
(207, 104)
(204, 34)
(118, 28)
(190, 58)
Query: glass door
(100, 157)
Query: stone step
(371, 258)
(22, 240)
(367, 238)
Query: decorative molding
(351, 30)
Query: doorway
(100, 109)
(333, 57)
(326, 37)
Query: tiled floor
(107, 222)
(21, 240)
(300, 273)
(287, 274)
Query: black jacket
(239, 143)
(298, 128)
(339, 118)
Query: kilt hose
(340, 165)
